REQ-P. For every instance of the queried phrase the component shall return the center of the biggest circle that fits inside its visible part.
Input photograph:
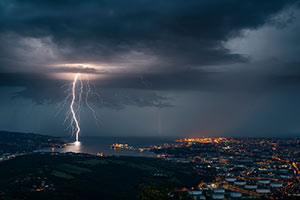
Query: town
(242, 167)
(201, 168)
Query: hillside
(12, 142)
(81, 176)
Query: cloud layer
(155, 54)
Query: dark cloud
(112, 98)
(159, 45)
(43, 89)
(157, 54)
(178, 34)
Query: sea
(94, 145)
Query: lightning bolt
(77, 99)
(74, 118)
(78, 92)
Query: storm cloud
(154, 54)
(150, 36)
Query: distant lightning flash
(72, 107)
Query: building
(263, 191)
(218, 196)
(235, 194)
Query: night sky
(161, 67)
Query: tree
(152, 192)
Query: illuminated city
(245, 167)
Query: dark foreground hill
(12, 142)
(81, 176)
